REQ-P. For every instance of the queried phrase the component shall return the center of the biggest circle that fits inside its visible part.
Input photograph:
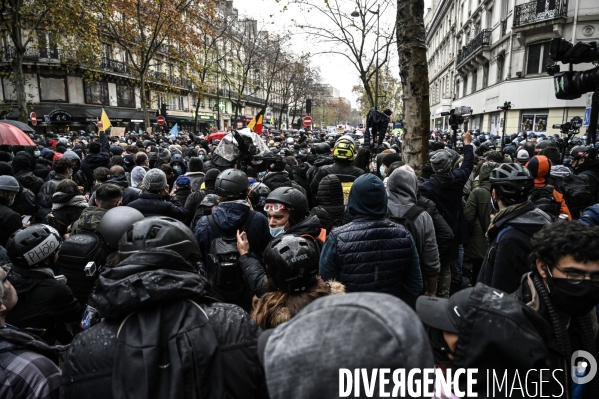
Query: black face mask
(440, 348)
(573, 299)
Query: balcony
(109, 65)
(33, 54)
(539, 11)
(475, 45)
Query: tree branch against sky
(349, 37)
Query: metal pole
(503, 132)
(376, 88)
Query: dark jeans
(456, 267)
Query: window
(465, 85)
(500, 65)
(474, 80)
(457, 88)
(96, 93)
(534, 121)
(53, 89)
(538, 56)
(485, 75)
(125, 96)
(490, 18)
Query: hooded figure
(330, 207)
(539, 167)
(372, 253)
(23, 164)
(196, 173)
(477, 213)
(402, 188)
(294, 369)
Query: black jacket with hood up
(147, 280)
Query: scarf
(77, 201)
(503, 213)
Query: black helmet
(292, 263)
(232, 183)
(29, 246)
(160, 232)
(513, 182)
(257, 195)
(116, 222)
(322, 148)
(583, 151)
(293, 199)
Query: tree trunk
(20, 85)
(413, 70)
(196, 122)
(142, 95)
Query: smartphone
(90, 269)
(26, 219)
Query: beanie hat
(210, 179)
(94, 147)
(23, 161)
(196, 165)
(6, 169)
(116, 150)
(154, 180)
(441, 161)
(57, 156)
(164, 154)
(390, 158)
(9, 183)
(45, 150)
(183, 181)
(71, 156)
(137, 175)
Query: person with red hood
(539, 167)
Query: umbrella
(11, 135)
(216, 135)
(23, 126)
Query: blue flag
(175, 130)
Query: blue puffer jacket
(372, 253)
(590, 216)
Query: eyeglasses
(276, 207)
(578, 277)
(8, 272)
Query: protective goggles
(275, 207)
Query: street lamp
(356, 14)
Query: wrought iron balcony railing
(538, 11)
(34, 54)
(482, 39)
(114, 66)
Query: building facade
(482, 53)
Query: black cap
(443, 313)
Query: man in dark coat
(445, 189)
(372, 253)
(23, 164)
(99, 155)
(88, 371)
(156, 199)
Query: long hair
(276, 307)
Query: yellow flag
(105, 121)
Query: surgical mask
(302, 152)
(383, 171)
(178, 169)
(261, 175)
(277, 231)
(37, 154)
(201, 157)
(573, 299)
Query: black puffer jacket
(139, 283)
(274, 180)
(44, 197)
(29, 181)
(153, 205)
(330, 207)
(300, 176)
(443, 233)
(319, 162)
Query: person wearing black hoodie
(62, 169)
(92, 369)
(67, 206)
(193, 201)
(99, 155)
(23, 164)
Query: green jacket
(89, 220)
(477, 207)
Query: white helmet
(290, 140)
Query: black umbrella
(23, 126)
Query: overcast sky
(335, 69)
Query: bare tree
(413, 67)
(353, 37)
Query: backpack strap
(218, 232)
(502, 232)
(248, 221)
(413, 213)
(317, 243)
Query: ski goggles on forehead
(275, 207)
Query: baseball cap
(523, 156)
(443, 313)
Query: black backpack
(577, 193)
(544, 199)
(74, 255)
(198, 213)
(221, 262)
(168, 352)
(407, 220)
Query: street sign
(33, 118)
(307, 121)
(47, 118)
(587, 112)
(160, 120)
